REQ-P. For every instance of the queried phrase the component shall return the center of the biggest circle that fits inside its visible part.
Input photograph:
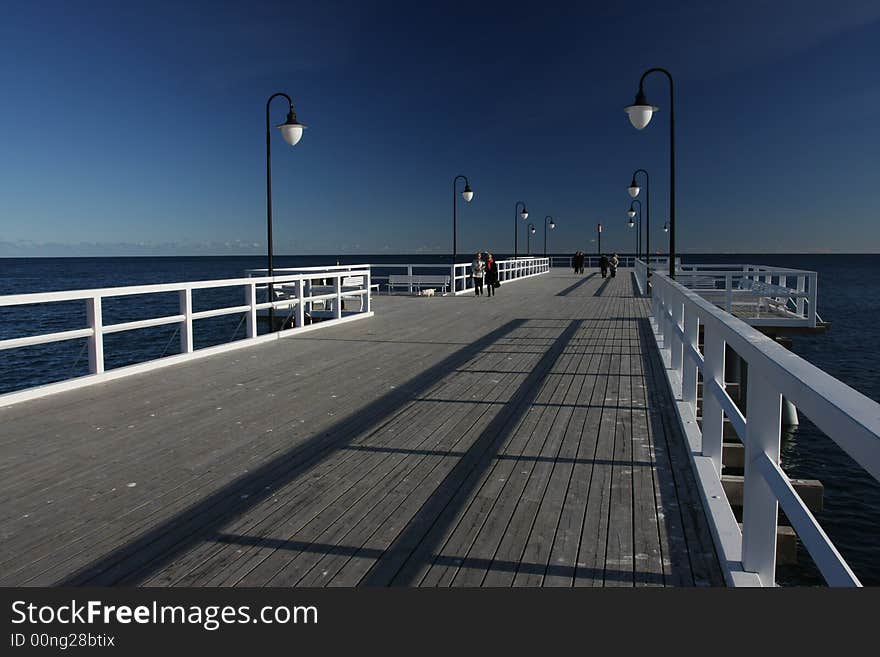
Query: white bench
(417, 281)
(358, 282)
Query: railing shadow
(571, 288)
(137, 560)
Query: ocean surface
(849, 298)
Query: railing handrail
(848, 417)
(131, 290)
(349, 282)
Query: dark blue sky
(140, 129)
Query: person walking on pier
(614, 262)
(491, 275)
(603, 265)
(478, 270)
(574, 261)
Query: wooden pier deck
(521, 440)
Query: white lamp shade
(552, 225)
(292, 132)
(467, 195)
(633, 190)
(632, 223)
(640, 115)
(533, 231)
(524, 215)
(631, 213)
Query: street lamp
(632, 213)
(291, 131)
(634, 189)
(518, 213)
(467, 195)
(531, 231)
(552, 225)
(599, 235)
(640, 113)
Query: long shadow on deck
(571, 288)
(599, 292)
(422, 536)
(134, 562)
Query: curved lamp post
(552, 226)
(291, 131)
(467, 194)
(632, 213)
(524, 214)
(531, 231)
(633, 191)
(640, 113)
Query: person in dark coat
(574, 261)
(491, 275)
(603, 265)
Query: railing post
(409, 274)
(300, 303)
(713, 416)
(657, 305)
(337, 311)
(801, 287)
(677, 343)
(728, 296)
(760, 507)
(186, 328)
(813, 296)
(367, 305)
(250, 298)
(688, 366)
(96, 342)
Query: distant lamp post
(291, 131)
(517, 213)
(634, 189)
(640, 113)
(531, 231)
(548, 221)
(599, 236)
(632, 213)
(467, 195)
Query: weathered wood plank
(519, 440)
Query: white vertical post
(667, 318)
(801, 286)
(300, 303)
(186, 326)
(813, 295)
(677, 343)
(713, 416)
(728, 296)
(96, 343)
(409, 275)
(367, 305)
(337, 284)
(250, 298)
(760, 507)
(657, 303)
(688, 366)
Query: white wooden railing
(768, 295)
(347, 282)
(846, 416)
